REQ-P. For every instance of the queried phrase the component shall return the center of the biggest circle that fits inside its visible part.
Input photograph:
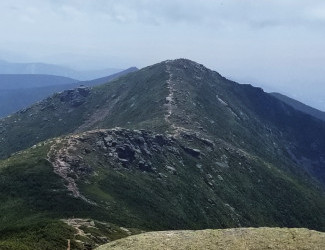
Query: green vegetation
(108, 105)
(38, 234)
(198, 152)
(199, 193)
(33, 200)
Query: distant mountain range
(171, 146)
(28, 81)
(51, 69)
(19, 91)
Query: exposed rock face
(128, 164)
(120, 148)
(75, 97)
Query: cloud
(262, 13)
(210, 13)
(277, 42)
(316, 12)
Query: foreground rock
(239, 238)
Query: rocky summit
(171, 146)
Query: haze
(278, 44)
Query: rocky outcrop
(93, 233)
(75, 97)
(119, 148)
(130, 148)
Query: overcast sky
(277, 44)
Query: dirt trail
(57, 155)
(171, 104)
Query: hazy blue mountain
(20, 91)
(300, 106)
(105, 79)
(51, 69)
(28, 81)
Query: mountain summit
(176, 96)
(171, 146)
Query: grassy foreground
(238, 238)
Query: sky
(276, 44)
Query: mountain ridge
(300, 106)
(24, 81)
(249, 108)
(52, 69)
(20, 91)
(171, 146)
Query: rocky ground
(92, 233)
(239, 238)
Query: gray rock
(220, 178)
(192, 151)
(126, 152)
(171, 170)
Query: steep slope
(241, 239)
(300, 106)
(171, 146)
